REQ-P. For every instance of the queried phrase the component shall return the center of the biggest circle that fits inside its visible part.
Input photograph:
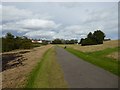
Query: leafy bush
(9, 42)
(93, 39)
(57, 41)
(88, 41)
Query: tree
(18, 42)
(9, 42)
(81, 41)
(66, 41)
(57, 41)
(71, 41)
(90, 35)
(99, 36)
(92, 39)
(88, 41)
(75, 41)
(62, 41)
(26, 43)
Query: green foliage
(62, 41)
(90, 35)
(88, 41)
(57, 41)
(9, 42)
(72, 41)
(99, 36)
(0, 44)
(81, 40)
(37, 44)
(93, 39)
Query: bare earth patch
(114, 55)
(92, 48)
(16, 77)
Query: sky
(64, 20)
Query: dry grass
(114, 55)
(16, 77)
(92, 48)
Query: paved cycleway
(81, 74)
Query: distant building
(40, 41)
(37, 41)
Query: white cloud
(13, 13)
(0, 5)
(23, 20)
(41, 34)
(30, 25)
(78, 29)
(37, 24)
(75, 29)
(101, 15)
(0, 14)
(60, 1)
(0, 26)
(42, 21)
(68, 32)
(12, 26)
(72, 32)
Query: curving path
(81, 74)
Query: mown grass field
(47, 74)
(98, 55)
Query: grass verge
(98, 58)
(47, 74)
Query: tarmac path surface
(81, 74)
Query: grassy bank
(47, 74)
(92, 48)
(99, 58)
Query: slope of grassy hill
(91, 48)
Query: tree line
(92, 39)
(62, 41)
(10, 42)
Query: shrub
(9, 42)
(93, 39)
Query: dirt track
(81, 74)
